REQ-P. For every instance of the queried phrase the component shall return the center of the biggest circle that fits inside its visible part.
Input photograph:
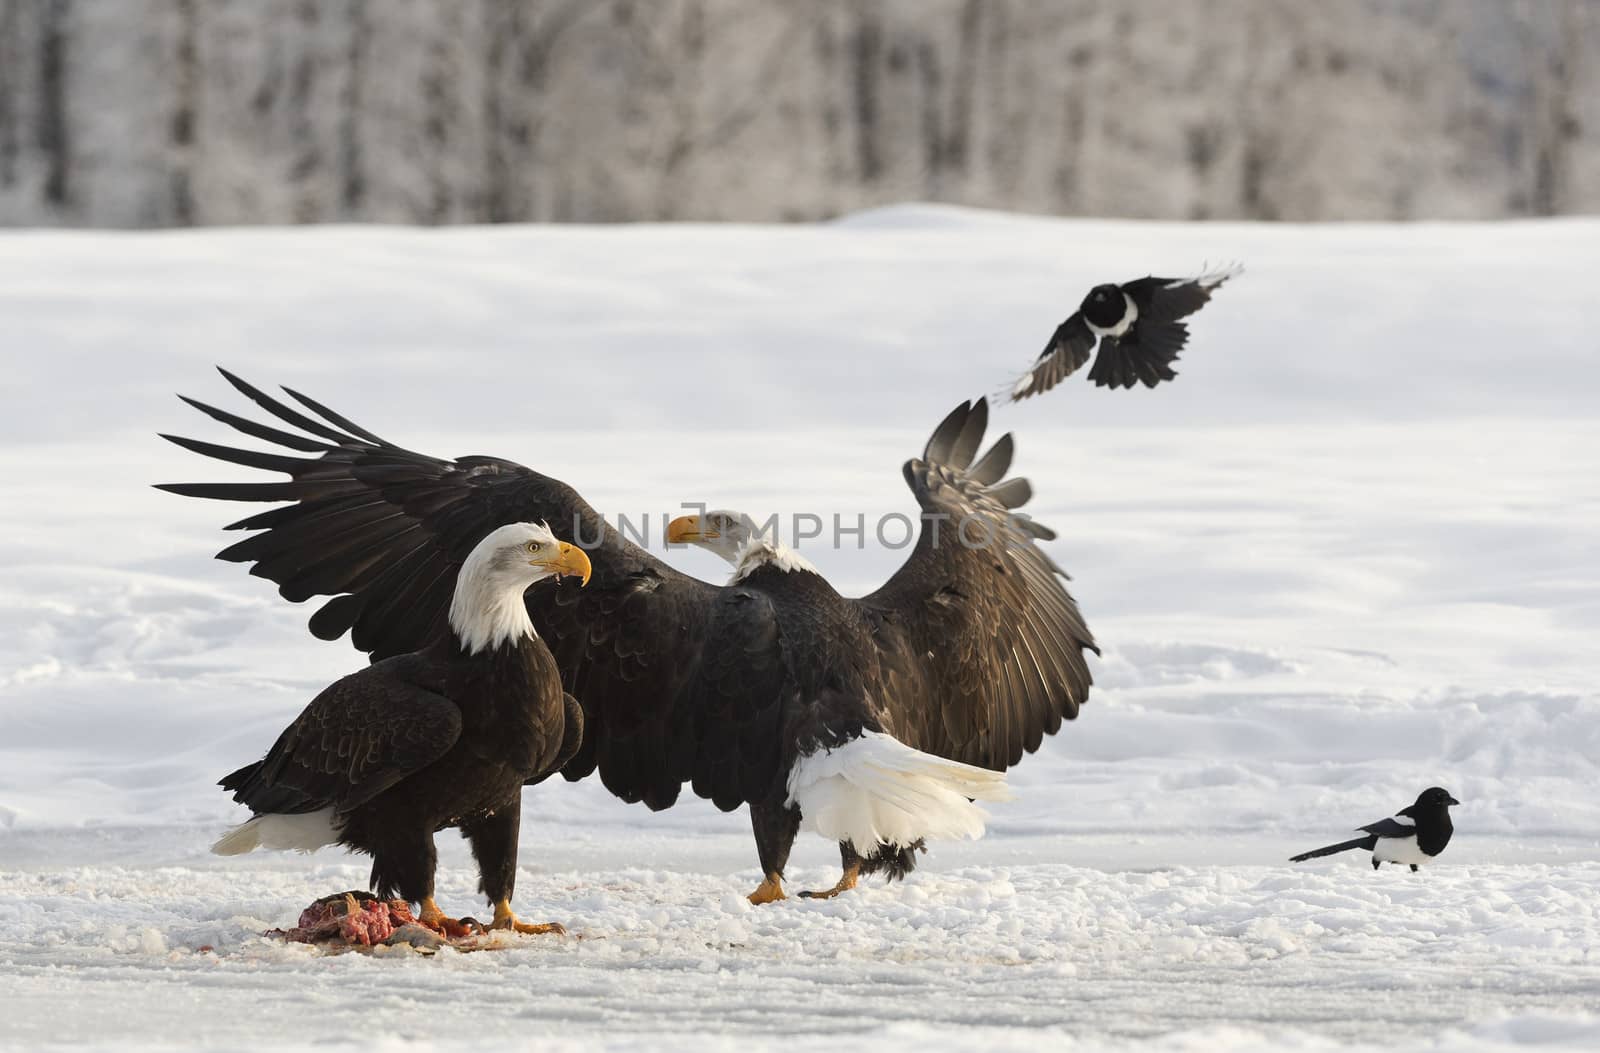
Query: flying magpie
(1392, 841)
(1138, 328)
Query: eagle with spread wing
(877, 722)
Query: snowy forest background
(140, 113)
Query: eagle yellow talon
(505, 919)
(847, 881)
(442, 923)
(770, 891)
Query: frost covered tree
(171, 112)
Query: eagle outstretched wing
(680, 681)
(990, 642)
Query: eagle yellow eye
(533, 546)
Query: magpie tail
(1143, 356)
(1370, 841)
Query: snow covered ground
(1353, 551)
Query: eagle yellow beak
(570, 559)
(686, 529)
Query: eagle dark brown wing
(361, 735)
(680, 680)
(990, 643)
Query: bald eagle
(441, 737)
(873, 721)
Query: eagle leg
(505, 919)
(446, 926)
(847, 881)
(769, 891)
(493, 837)
(775, 826)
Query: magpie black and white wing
(360, 736)
(985, 645)
(1145, 353)
(1389, 828)
(1066, 352)
(679, 680)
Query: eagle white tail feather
(876, 789)
(306, 832)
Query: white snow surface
(1353, 551)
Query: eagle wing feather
(680, 681)
(986, 646)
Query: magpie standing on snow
(1392, 841)
(1137, 325)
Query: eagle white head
(735, 537)
(721, 531)
(487, 608)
